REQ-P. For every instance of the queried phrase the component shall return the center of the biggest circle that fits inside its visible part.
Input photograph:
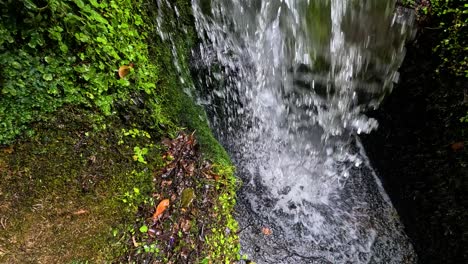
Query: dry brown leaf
(190, 169)
(8, 150)
(80, 212)
(166, 183)
(266, 231)
(124, 70)
(186, 225)
(184, 252)
(152, 233)
(156, 196)
(93, 158)
(166, 142)
(162, 206)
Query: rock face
(419, 152)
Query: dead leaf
(211, 175)
(152, 233)
(8, 150)
(186, 225)
(166, 142)
(184, 252)
(162, 206)
(124, 70)
(80, 212)
(156, 196)
(190, 169)
(93, 158)
(457, 146)
(166, 183)
(266, 231)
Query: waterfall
(285, 84)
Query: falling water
(286, 84)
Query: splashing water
(285, 83)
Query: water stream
(286, 84)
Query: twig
(3, 222)
(432, 28)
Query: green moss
(181, 107)
(73, 185)
(224, 247)
(177, 105)
(62, 191)
(69, 52)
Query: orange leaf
(266, 231)
(124, 71)
(162, 206)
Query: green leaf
(143, 229)
(16, 65)
(82, 37)
(63, 48)
(29, 5)
(144, 151)
(79, 3)
(47, 77)
(96, 16)
(94, 3)
(102, 40)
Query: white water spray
(288, 82)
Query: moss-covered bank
(81, 151)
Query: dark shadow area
(419, 151)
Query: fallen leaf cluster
(181, 156)
(183, 211)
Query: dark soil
(420, 153)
